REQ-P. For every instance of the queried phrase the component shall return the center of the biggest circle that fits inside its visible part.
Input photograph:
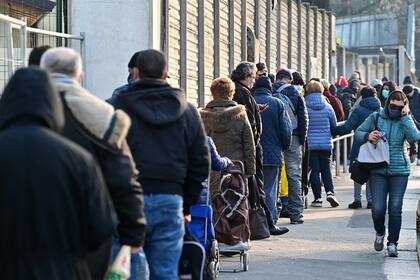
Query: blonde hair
(325, 84)
(314, 87)
(222, 88)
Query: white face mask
(298, 88)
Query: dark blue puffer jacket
(415, 106)
(300, 108)
(366, 107)
(276, 128)
(321, 121)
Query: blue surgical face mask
(394, 113)
(385, 93)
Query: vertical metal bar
(216, 38)
(299, 39)
(231, 35)
(268, 36)
(23, 34)
(323, 57)
(278, 32)
(244, 41)
(345, 156)
(315, 31)
(289, 33)
(83, 55)
(201, 55)
(337, 158)
(59, 20)
(9, 46)
(183, 47)
(257, 18)
(308, 42)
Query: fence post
(345, 156)
(83, 55)
(337, 158)
(9, 49)
(23, 33)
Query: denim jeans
(293, 161)
(271, 188)
(164, 237)
(320, 160)
(139, 269)
(358, 192)
(393, 188)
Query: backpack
(288, 105)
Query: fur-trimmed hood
(95, 115)
(219, 114)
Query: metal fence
(342, 144)
(17, 41)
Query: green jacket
(397, 132)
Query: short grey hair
(243, 71)
(62, 60)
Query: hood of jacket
(29, 96)
(371, 103)
(219, 113)
(315, 101)
(95, 115)
(155, 101)
(262, 91)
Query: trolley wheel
(245, 261)
(214, 250)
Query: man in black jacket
(169, 147)
(244, 78)
(96, 126)
(54, 206)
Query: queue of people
(126, 172)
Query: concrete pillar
(114, 30)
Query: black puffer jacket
(167, 139)
(54, 206)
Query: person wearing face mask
(414, 99)
(386, 89)
(396, 124)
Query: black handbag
(257, 217)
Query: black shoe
(369, 205)
(278, 230)
(284, 214)
(332, 200)
(355, 205)
(297, 221)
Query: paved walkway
(335, 244)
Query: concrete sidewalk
(334, 244)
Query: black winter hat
(284, 73)
(407, 89)
(263, 82)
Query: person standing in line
(54, 204)
(386, 89)
(414, 101)
(96, 126)
(170, 150)
(275, 139)
(36, 54)
(395, 123)
(244, 78)
(131, 75)
(368, 105)
(321, 121)
(334, 101)
(293, 156)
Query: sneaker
(275, 230)
(355, 205)
(379, 242)
(369, 205)
(317, 203)
(284, 214)
(332, 200)
(297, 221)
(392, 250)
(418, 162)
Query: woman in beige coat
(227, 124)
